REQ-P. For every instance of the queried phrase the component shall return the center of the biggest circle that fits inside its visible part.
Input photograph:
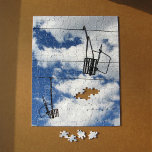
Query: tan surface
(86, 93)
(16, 133)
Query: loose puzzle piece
(93, 134)
(81, 134)
(64, 134)
(72, 138)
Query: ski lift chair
(51, 113)
(90, 64)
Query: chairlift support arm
(51, 97)
(88, 40)
(100, 51)
(51, 92)
(46, 107)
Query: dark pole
(45, 104)
(100, 50)
(84, 28)
(88, 39)
(51, 97)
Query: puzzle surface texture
(75, 72)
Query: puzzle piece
(72, 138)
(64, 134)
(93, 134)
(81, 134)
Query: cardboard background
(16, 133)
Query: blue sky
(46, 42)
(46, 39)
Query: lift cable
(67, 78)
(69, 61)
(71, 29)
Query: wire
(68, 78)
(71, 61)
(71, 29)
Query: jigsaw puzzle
(93, 134)
(75, 72)
(64, 134)
(81, 134)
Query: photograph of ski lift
(50, 112)
(75, 71)
(90, 64)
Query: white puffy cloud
(77, 53)
(75, 22)
(116, 121)
(81, 112)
